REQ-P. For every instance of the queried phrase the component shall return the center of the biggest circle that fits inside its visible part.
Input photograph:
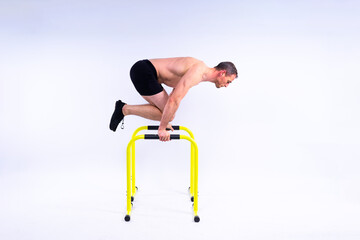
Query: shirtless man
(181, 74)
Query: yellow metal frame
(130, 169)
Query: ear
(222, 73)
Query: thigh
(159, 100)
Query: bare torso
(171, 70)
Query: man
(181, 74)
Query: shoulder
(193, 73)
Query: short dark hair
(229, 67)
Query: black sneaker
(117, 115)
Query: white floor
(77, 202)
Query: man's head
(226, 74)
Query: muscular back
(171, 70)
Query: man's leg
(147, 111)
(153, 110)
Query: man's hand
(163, 135)
(169, 127)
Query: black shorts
(144, 77)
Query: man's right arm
(192, 77)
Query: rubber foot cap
(127, 218)
(132, 198)
(197, 219)
(192, 198)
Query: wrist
(162, 126)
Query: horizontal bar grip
(155, 136)
(156, 127)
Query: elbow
(174, 101)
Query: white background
(278, 149)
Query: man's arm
(191, 78)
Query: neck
(210, 75)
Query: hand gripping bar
(156, 136)
(154, 127)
